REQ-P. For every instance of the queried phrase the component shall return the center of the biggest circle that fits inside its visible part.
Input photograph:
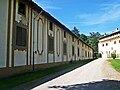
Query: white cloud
(108, 12)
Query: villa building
(31, 39)
(110, 44)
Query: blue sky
(87, 15)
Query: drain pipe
(33, 39)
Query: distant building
(110, 44)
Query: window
(119, 41)
(22, 8)
(73, 50)
(88, 54)
(64, 48)
(111, 48)
(20, 37)
(85, 53)
(50, 44)
(82, 45)
(82, 52)
(78, 52)
(103, 45)
(114, 42)
(106, 44)
(73, 39)
(51, 26)
(64, 34)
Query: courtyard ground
(96, 75)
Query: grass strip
(115, 64)
(11, 82)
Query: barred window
(73, 50)
(64, 34)
(78, 42)
(82, 52)
(111, 48)
(85, 53)
(114, 42)
(22, 8)
(51, 26)
(21, 36)
(106, 44)
(64, 48)
(88, 54)
(50, 44)
(78, 52)
(73, 39)
(103, 45)
(82, 45)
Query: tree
(83, 37)
(76, 31)
(113, 55)
(93, 40)
(95, 34)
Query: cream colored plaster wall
(106, 50)
(19, 58)
(3, 31)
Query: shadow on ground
(100, 85)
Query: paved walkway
(96, 75)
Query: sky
(87, 15)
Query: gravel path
(96, 75)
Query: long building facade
(30, 38)
(110, 44)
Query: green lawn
(28, 77)
(115, 63)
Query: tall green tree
(93, 40)
(76, 31)
(95, 34)
(83, 37)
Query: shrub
(99, 55)
(79, 59)
(113, 55)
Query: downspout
(33, 38)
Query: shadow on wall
(100, 85)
